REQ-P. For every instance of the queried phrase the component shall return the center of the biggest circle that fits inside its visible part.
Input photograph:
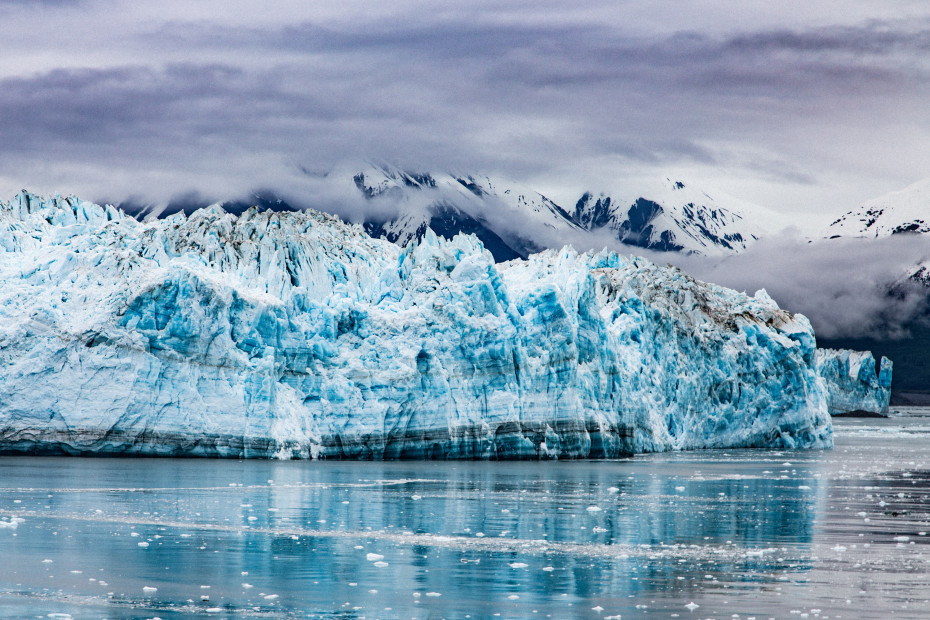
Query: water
(823, 534)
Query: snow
(905, 210)
(673, 215)
(664, 215)
(296, 335)
(853, 382)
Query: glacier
(296, 335)
(852, 382)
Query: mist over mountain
(511, 219)
(864, 280)
(866, 275)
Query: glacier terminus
(296, 335)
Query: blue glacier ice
(296, 335)
(852, 381)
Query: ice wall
(852, 382)
(296, 335)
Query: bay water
(839, 533)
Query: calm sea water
(824, 534)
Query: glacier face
(852, 382)
(296, 335)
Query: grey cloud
(846, 287)
(510, 96)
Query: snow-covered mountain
(671, 216)
(297, 335)
(511, 220)
(515, 220)
(903, 211)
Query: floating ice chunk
(517, 565)
(149, 589)
(374, 557)
(692, 606)
(852, 382)
(12, 523)
(593, 509)
(380, 564)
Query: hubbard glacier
(296, 335)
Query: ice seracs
(852, 381)
(296, 335)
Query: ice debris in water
(12, 523)
(296, 335)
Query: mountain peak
(899, 212)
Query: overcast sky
(804, 106)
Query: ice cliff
(296, 335)
(852, 381)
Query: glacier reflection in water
(837, 533)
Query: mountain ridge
(514, 220)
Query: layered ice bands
(295, 335)
(852, 381)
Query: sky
(806, 107)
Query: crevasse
(295, 335)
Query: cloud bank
(800, 107)
(847, 287)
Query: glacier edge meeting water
(296, 335)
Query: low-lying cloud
(847, 287)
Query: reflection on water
(839, 533)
